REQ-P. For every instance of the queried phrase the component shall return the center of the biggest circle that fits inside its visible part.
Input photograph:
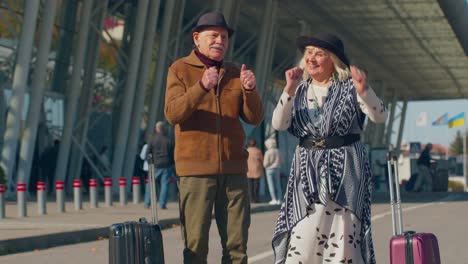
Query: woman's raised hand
(359, 79)
(293, 78)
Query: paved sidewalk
(54, 229)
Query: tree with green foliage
(456, 147)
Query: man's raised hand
(247, 78)
(210, 78)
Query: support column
(268, 69)
(218, 5)
(129, 92)
(37, 93)
(305, 31)
(230, 9)
(279, 69)
(377, 129)
(465, 158)
(265, 52)
(391, 118)
(264, 47)
(73, 92)
(3, 109)
(20, 78)
(85, 101)
(129, 12)
(178, 19)
(140, 95)
(67, 31)
(246, 47)
(402, 125)
(159, 84)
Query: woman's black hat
(212, 19)
(324, 40)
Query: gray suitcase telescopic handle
(152, 184)
(392, 161)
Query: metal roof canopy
(408, 44)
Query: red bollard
(59, 190)
(136, 189)
(41, 197)
(123, 193)
(21, 188)
(108, 191)
(2, 201)
(77, 194)
(93, 183)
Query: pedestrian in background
(328, 196)
(272, 164)
(424, 179)
(162, 149)
(144, 169)
(255, 169)
(205, 98)
(48, 162)
(104, 161)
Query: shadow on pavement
(421, 197)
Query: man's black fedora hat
(324, 40)
(212, 19)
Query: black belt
(329, 142)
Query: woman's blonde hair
(341, 72)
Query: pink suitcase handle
(392, 161)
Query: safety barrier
(136, 189)
(41, 193)
(77, 194)
(93, 188)
(21, 192)
(123, 191)
(108, 191)
(60, 194)
(78, 188)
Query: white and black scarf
(343, 174)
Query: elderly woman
(326, 213)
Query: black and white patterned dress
(326, 213)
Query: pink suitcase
(407, 247)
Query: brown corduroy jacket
(209, 137)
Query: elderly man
(205, 97)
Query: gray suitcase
(138, 242)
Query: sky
(434, 134)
